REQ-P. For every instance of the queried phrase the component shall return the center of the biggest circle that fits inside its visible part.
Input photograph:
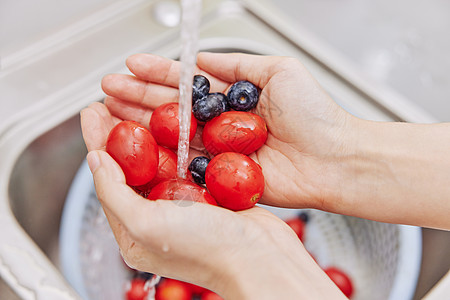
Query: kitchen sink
(40, 136)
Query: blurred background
(403, 43)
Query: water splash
(191, 14)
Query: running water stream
(191, 15)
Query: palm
(293, 149)
(142, 248)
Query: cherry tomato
(208, 295)
(170, 289)
(195, 289)
(133, 147)
(179, 189)
(234, 180)
(298, 226)
(137, 290)
(234, 131)
(164, 125)
(341, 279)
(167, 169)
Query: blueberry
(144, 275)
(243, 96)
(200, 87)
(304, 217)
(210, 106)
(197, 167)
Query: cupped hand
(307, 129)
(250, 254)
(202, 244)
(195, 242)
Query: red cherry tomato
(170, 289)
(133, 147)
(179, 189)
(234, 131)
(341, 279)
(164, 125)
(195, 289)
(137, 290)
(208, 295)
(167, 169)
(234, 180)
(298, 226)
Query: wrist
(388, 170)
(334, 176)
(286, 272)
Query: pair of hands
(207, 245)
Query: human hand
(306, 127)
(240, 255)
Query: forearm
(397, 172)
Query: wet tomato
(179, 189)
(195, 289)
(208, 295)
(133, 147)
(341, 279)
(234, 180)
(298, 225)
(167, 169)
(171, 289)
(164, 125)
(136, 290)
(234, 131)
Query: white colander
(383, 260)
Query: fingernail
(93, 160)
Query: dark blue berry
(211, 106)
(197, 167)
(304, 217)
(243, 96)
(144, 275)
(200, 88)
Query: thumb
(136, 213)
(112, 191)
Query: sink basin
(40, 136)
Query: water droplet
(165, 248)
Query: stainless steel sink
(40, 138)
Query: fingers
(234, 67)
(156, 82)
(164, 71)
(137, 91)
(128, 111)
(157, 78)
(113, 192)
(155, 69)
(96, 123)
